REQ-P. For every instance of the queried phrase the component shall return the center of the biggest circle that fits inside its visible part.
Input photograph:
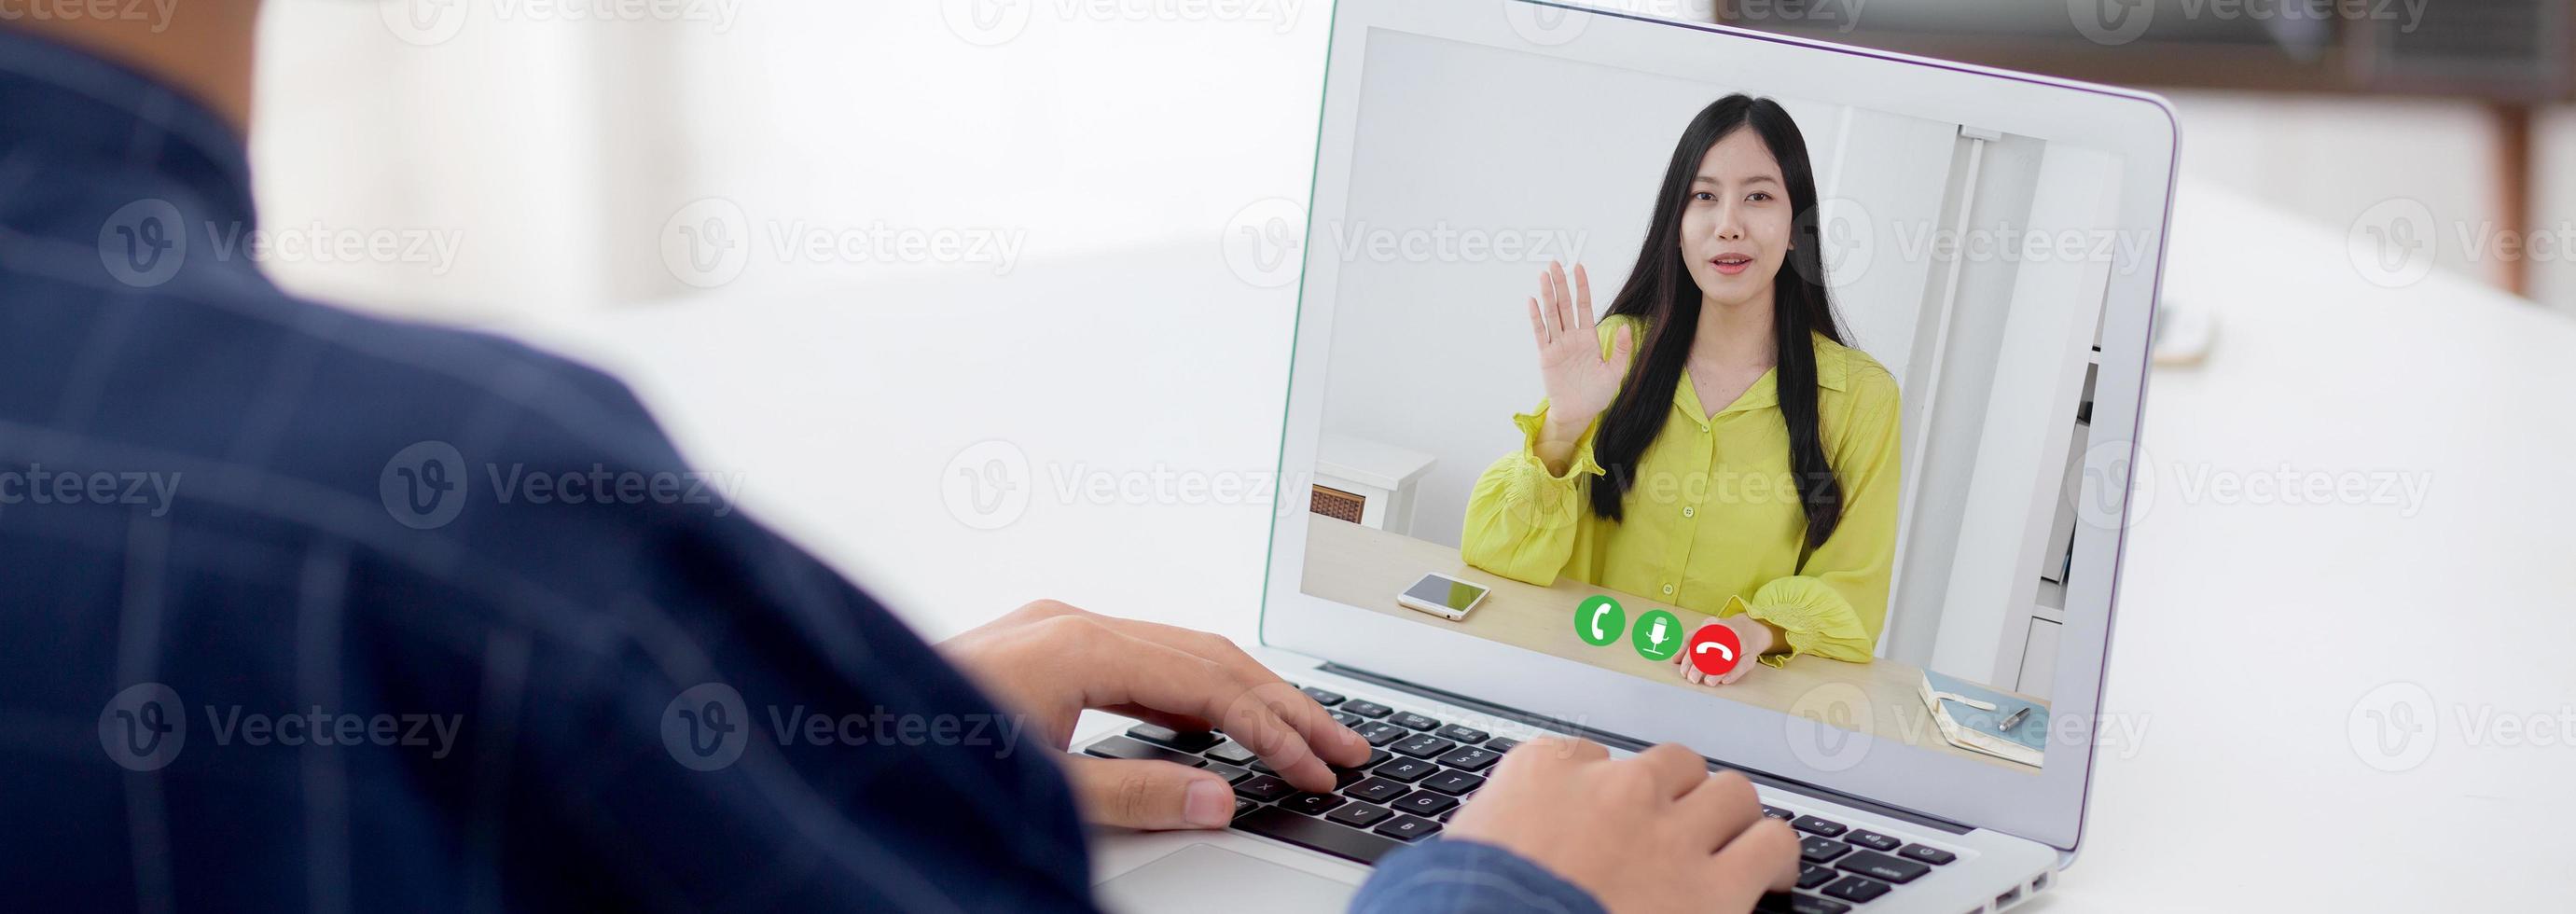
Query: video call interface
(1740, 391)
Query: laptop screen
(1754, 390)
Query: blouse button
(1688, 511)
(1668, 589)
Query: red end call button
(1714, 649)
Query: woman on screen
(1711, 443)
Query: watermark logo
(706, 727)
(1825, 727)
(987, 485)
(2117, 486)
(711, 241)
(1846, 238)
(143, 243)
(144, 727)
(423, 22)
(2392, 244)
(707, 243)
(986, 23)
(2392, 727)
(1543, 25)
(2111, 22)
(424, 485)
(1263, 240)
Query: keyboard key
(1231, 774)
(1345, 774)
(1872, 863)
(1811, 875)
(1200, 741)
(1443, 818)
(1817, 849)
(1424, 745)
(1499, 744)
(1381, 733)
(1471, 758)
(1415, 721)
(1791, 903)
(1366, 708)
(1122, 747)
(1873, 840)
(1316, 834)
(1856, 889)
(1431, 803)
(1321, 697)
(1242, 806)
(1233, 754)
(1264, 788)
(1931, 855)
(1359, 815)
(1313, 804)
(1453, 783)
(1376, 790)
(1347, 720)
(1467, 735)
(1409, 828)
(1775, 812)
(1405, 770)
(1813, 825)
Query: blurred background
(553, 141)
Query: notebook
(1979, 730)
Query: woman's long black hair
(1661, 293)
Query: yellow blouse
(1713, 523)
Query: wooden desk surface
(1367, 567)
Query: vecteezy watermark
(988, 485)
(1834, 727)
(710, 241)
(1263, 241)
(2118, 22)
(425, 485)
(144, 727)
(156, 12)
(2395, 726)
(36, 485)
(707, 726)
(145, 242)
(2395, 242)
(988, 23)
(2120, 485)
(433, 22)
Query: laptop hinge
(1632, 744)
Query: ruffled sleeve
(1521, 519)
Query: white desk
(2246, 634)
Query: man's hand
(1650, 833)
(1051, 661)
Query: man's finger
(1326, 736)
(1175, 681)
(1149, 795)
(1721, 808)
(1764, 858)
(1675, 769)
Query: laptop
(1990, 240)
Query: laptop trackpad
(1199, 876)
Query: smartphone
(1443, 596)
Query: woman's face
(1735, 227)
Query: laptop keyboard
(1423, 768)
